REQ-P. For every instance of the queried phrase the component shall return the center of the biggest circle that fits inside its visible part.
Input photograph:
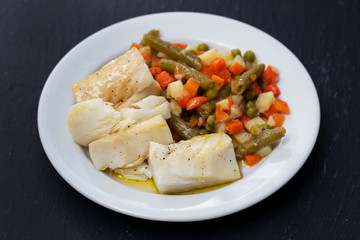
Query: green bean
(170, 66)
(264, 139)
(203, 132)
(206, 109)
(181, 127)
(235, 52)
(171, 50)
(203, 47)
(224, 92)
(211, 93)
(245, 80)
(249, 56)
(210, 123)
(237, 77)
(265, 126)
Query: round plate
(73, 162)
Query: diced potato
(146, 50)
(265, 151)
(175, 108)
(209, 56)
(271, 121)
(237, 99)
(242, 137)
(227, 56)
(224, 104)
(255, 121)
(264, 101)
(220, 127)
(174, 89)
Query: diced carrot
(155, 62)
(193, 121)
(146, 56)
(178, 74)
(155, 71)
(220, 115)
(270, 75)
(252, 159)
(138, 46)
(164, 79)
(279, 119)
(272, 110)
(192, 86)
(234, 126)
(180, 45)
(196, 102)
(183, 99)
(236, 68)
(207, 71)
(199, 52)
(218, 65)
(281, 106)
(256, 88)
(273, 88)
(226, 75)
(219, 81)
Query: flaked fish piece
(129, 147)
(139, 172)
(93, 119)
(196, 163)
(118, 81)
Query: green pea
(235, 52)
(203, 132)
(249, 56)
(251, 112)
(265, 126)
(250, 104)
(203, 47)
(211, 93)
(255, 130)
(148, 63)
(249, 94)
(210, 123)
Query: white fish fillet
(118, 81)
(129, 146)
(93, 119)
(139, 172)
(199, 162)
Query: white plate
(73, 163)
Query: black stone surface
(320, 202)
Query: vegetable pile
(218, 91)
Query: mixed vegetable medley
(184, 116)
(218, 91)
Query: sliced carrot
(219, 81)
(180, 45)
(155, 62)
(234, 126)
(164, 79)
(138, 46)
(256, 88)
(220, 115)
(226, 75)
(207, 71)
(281, 106)
(272, 88)
(236, 68)
(192, 86)
(279, 119)
(218, 65)
(196, 102)
(199, 52)
(252, 159)
(155, 71)
(193, 121)
(272, 110)
(270, 75)
(183, 99)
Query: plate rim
(212, 215)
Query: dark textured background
(320, 202)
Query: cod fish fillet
(120, 80)
(199, 162)
(129, 147)
(93, 119)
